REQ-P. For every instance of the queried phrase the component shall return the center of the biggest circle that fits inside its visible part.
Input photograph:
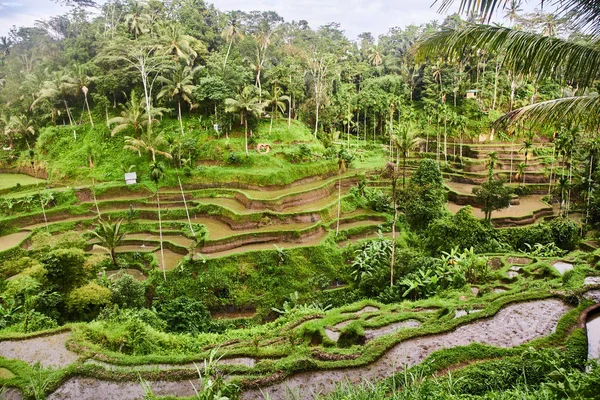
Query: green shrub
(185, 315)
(351, 335)
(65, 268)
(127, 292)
(88, 300)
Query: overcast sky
(355, 16)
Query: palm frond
(582, 111)
(486, 8)
(583, 14)
(522, 52)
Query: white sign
(131, 178)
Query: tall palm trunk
(393, 231)
(339, 210)
(227, 55)
(88, 107)
(246, 135)
(179, 115)
(162, 251)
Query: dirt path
(511, 326)
(49, 351)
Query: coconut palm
(526, 53)
(110, 236)
(134, 116)
(6, 129)
(375, 56)
(81, 80)
(157, 172)
(275, 102)
(178, 44)
(150, 142)
(22, 125)
(57, 89)
(246, 104)
(232, 33)
(180, 86)
(137, 20)
(406, 140)
(521, 167)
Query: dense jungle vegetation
(293, 212)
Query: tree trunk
(179, 111)
(88, 108)
(316, 118)
(339, 210)
(227, 55)
(246, 135)
(162, 252)
(393, 236)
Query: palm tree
(58, 88)
(391, 172)
(157, 172)
(6, 129)
(134, 115)
(246, 104)
(521, 167)
(22, 125)
(275, 102)
(137, 19)
(405, 142)
(110, 236)
(375, 56)
(178, 44)
(82, 81)
(527, 147)
(180, 86)
(150, 142)
(577, 63)
(232, 33)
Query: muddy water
(562, 266)
(593, 334)
(391, 328)
(49, 351)
(514, 325)
(528, 205)
(117, 273)
(313, 241)
(463, 188)
(93, 389)
(13, 240)
(350, 225)
(171, 259)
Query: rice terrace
(198, 203)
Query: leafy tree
(492, 195)
(65, 268)
(461, 231)
(88, 300)
(424, 199)
(127, 292)
(110, 236)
